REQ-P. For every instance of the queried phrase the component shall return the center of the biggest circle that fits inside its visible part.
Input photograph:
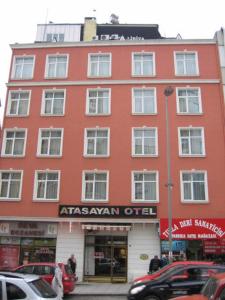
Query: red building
(83, 159)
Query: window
(144, 101)
(145, 186)
(56, 66)
(191, 142)
(50, 142)
(189, 101)
(194, 186)
(95, 186)
(186, 63)
(23, 67)
(145, 142)
(10, 185)
(14, 142)
(53, 102)
(18, 103)
(46, 185)
(143, 64)
(55, 37)
(97, 142)
(98, 102)
(14, 292)
(99, 65)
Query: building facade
(83, 157)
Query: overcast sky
(19, 19)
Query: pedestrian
(155, 264)
(57, 284)
(164, 260)
(72, 263)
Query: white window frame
(133, 142)
(55, 37)
(187, 100)
(97, 101)
(52, 105)
(20, 186)
(90, 55)
(10, 100)
(205, 184)
(21, 77)
(133, 186)
(35, 191)
(133, 101)
(95, 142)
(195, 53)
(153, 64)
(40, 142)
(190, 154)
(4, 143)
(47, 65)
(84, 186)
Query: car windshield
(209, 288)
(171, 271)
(42, 288)
(162, 270)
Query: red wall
(120, 163)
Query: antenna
(46, 18)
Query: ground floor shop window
(37, 250)
(106, 257)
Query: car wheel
(151, 297)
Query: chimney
(90, 29)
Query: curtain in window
(196, 141)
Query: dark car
(185, 280)
(214, 289)
(47, 270)
(172, 265)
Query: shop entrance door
(119, 264)
(105, 259)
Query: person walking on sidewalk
(155, 264)
(72, 263)
(57, 283)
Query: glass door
(105, 258)
(119, 263)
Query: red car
(167, 267)
(214, 289)
(47, 270)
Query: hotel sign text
(107, 211)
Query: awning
(101, 227)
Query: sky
(191, 19)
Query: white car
(25, 286)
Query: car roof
(26, 277)
(192, 262)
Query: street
(96, 297)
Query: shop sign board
(81, 211)
(28, 229)
(193, 229)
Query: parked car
(47, 270)
(169, 266)
(183, 280)
(214, 289)
(25, 286)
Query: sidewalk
(115, 289)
